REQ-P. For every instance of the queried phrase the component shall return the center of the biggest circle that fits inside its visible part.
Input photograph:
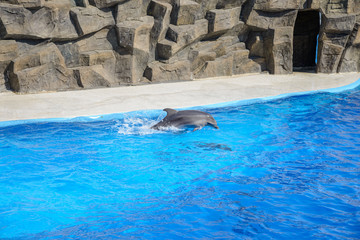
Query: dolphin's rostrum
(186, 118)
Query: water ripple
(284, 169)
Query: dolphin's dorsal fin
(170, 111)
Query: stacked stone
(52, 45)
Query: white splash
(140, 126)
(135, 126)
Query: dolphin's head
(211, 121)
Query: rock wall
(52, 45)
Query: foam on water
(141, 126)
(135, 126)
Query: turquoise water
(287, 168)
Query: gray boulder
(184, 12)
(242, 64)
(93, 77)
(135, 34)
(47, 23)
(222, 66)
(338, 23)
(91, 19)
(278, 50)
(199, 59)
(162, 72)
(104, 58)
(265, 20)
(330, 57)
(334, 35)
(130, 68)
(128, 10)
(41, 69)
(221, 20)
(103, 40)
(180, 37)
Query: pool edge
(281, 96)
(152, 112)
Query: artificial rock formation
(43, 67)
(51, 45)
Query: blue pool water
(282, 169)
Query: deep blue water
(282, 169)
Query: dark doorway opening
(306, 30)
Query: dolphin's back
(186, 118)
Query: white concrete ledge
(158, 96)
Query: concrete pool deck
(158, 96)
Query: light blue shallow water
(282, 169)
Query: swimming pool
(276, 169)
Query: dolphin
(186, 118)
